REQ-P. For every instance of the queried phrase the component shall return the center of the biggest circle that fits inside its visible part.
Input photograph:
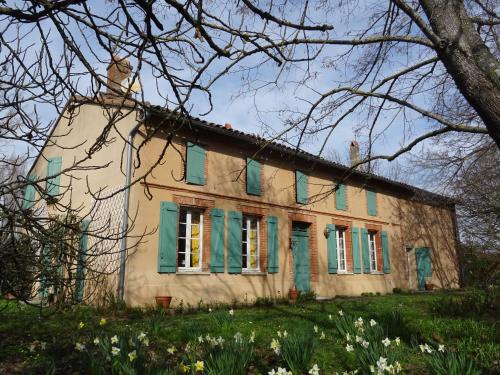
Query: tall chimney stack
(354, 152)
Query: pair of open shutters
(167, 249)
(332, 250)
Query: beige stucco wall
(406, 223)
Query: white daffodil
(372, 368)
(231, 312)
(79, 347)
(322, 337)
(114, 339)
(252, 337)
(272, 372)
(200, 339)
(285, 334)
(275, 346)
(381, 364)
(349, 348)
(386, 342)
(315, 329)
(441, 348)
(141, 336)
(398, 367)
(132, 356)
(96, 341)
(348, 337)
(358, 339)
(278, 333)
(238, 337)
(341, 313)
(397, 340)
(365, 344)
(115, 351)
(145, 342)
(373, 323)
(43, 345)
(422, 348)
(428, 349)
(330, 317)
(209, 309)
(358, 323)
(314, 370)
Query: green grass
(410, 317)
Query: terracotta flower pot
(293, 294)
(429, 286)
(163, 301)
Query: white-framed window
(250, 243)
(373, 251)
(190, 244)
(341, 249)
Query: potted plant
(428, 285)
(293, 293)
(163, 301)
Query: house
(225, 215)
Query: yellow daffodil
(132, 356)
(184, 368)
(171, 350)
(81, 325)
(114, 339)
(198, 366)
(102, 322)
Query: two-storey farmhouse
(225, 215)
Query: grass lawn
(33, 344)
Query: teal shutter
(80, 260)
(365, 250)
(340, 198)
(332, 249)
(195, 164)
(385, 252)
(272, 244)
(217, 240)
(167, 248)
(54, 176)
(253, 177)
(29, 193)
(372, 202)
(301, 187)
(234, 220)
(355, 250)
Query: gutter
(141, 117)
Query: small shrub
(475, 302)
(297, 350)
(451, 363)
(306, 297)
(232, 358)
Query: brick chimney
(119, 69)
(228, 126)
(354, 152)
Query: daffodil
(141, 336)
(198, 366)
(397, 340)
(386, 342)
(114, 339)
(275, 345)
(358, 339)
(365, 344)
(81, 325)
(382, 364)
(314, 370)
(348, 337)
(341, 313)
(441, 348)
(278, 333)
(132, 356)
(372, 368)
(330, 317)
(172, 350)
(322, 337)
(231, 312)
(373, 323)
(102, 322)
(398, 367)
(184, 368)
(115, 351)
(349, 348)
(251, 339)
(96, 341)
(43, 345)
(285, 334)
(80, 347)
(315, 329)
(209, 310)
(238, 338)
(200, 339)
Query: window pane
(195, 253)
(181, 257)
(182, 230)
(182, 215)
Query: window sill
(253, 273)
(186, 272)
(375, 273)
(345, 273)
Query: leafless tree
(415, 69)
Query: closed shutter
(385, 252)
(355, 251)
(234, 220)
(301, 187)
(365, 250)
(195, 164)
(372, 202)
(29, 193)
(54, 176)
(253, 177)
(272, 244)
(332, 249)
(340, 198)
(167, 248)
(80, 260)
(217, 240)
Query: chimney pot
(228, 125)
(354, 152)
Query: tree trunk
(467, 59)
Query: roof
(413, 192)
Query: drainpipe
(141, 118)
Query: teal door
(424, 266)
(300, 252)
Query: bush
(474, 302)
(232, 358)
(298, 350)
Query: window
(301, 191)
(250, 243)
(372, 247)
(253, 172)
(195, 164)
(371, 199)
(190, 239)
(341, 251)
